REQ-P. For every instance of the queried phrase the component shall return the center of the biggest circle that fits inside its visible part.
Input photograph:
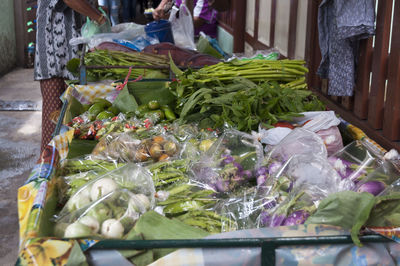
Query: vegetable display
(201, 167)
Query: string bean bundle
(118, 58)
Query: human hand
(158, 13)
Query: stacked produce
(119, 58)
(241, 151)
(243, 94)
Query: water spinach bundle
(243, 94)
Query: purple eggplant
(238, 166)
(269, 204)
(271, 221)
(227, 160)
(297, 217)
(373, 187)
(277, 220)
(246, 174)
(274, 167)
(261, 179)
(222, 185)
(347, 169)
(261, 171)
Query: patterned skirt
(51, 91)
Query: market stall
(234, 159)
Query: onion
(90, 222)
(76, 230)
(102, 187)
(112, 228)
(139, 203)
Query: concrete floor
(20, 134)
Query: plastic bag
(127, 147)
(182, 27)
(308, 179)
(299, 141)
(239, 211)
(94, 40)
(274, 135)
(378, 180)
(138, 43)
(131, 177)
(316, 121)
(269, 54)
(230, 162)
(354, 161)
(332, 139)
(111, 216)
(91, 28)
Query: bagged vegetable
(126, 147)
(110, 216)
(84, 164)
(354, 161)
(131, 177)
(307, 179)
(230, 162)
(239, 211)
(379, 179)
(299, 141)
(332, 139)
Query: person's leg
(126, 10)
(133, 9)
(114, 11)
(51, 91)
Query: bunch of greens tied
(243, 94)
(118, 58)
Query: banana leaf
(146, 91)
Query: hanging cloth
(341, 25)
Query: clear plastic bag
(332, 139)
(129, 147)
(240, 211)
(299, 141)
(132, 177)
(354, 161)
(230, 162)
(182, 27)
(380, 179)
(294, 192)
(98, 38)
(111, 216)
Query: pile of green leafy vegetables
(243, 94)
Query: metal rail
(267, 245)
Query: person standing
(204, 16)
(57, 22)
(128, 10)
(112, 8)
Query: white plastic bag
(182, 27)
(316, 121)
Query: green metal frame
(267, 245)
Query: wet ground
(19, 150)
